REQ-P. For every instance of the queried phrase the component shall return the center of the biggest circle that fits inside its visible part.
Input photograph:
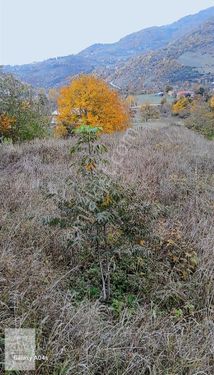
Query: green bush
(27, 110)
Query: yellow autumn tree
(89, 100)
(181, 107)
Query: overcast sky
(34, 30)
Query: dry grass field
(169, 329)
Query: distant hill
(109, 59)
(52, 72)
(189, 58)
(149, 39)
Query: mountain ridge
(155, 36)
(56, 72)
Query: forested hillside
(189, 59)
(53, 72)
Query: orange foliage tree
(7, 124)
(89, 100)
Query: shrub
(181, 107)
(149, 112)
(103, 219)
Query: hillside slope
(189, 58)
(57, 71)
(52, 72)
(145, 40)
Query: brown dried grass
(172, 167)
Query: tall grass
(171, 330)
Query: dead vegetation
(168, 328)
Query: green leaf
(87, 129)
